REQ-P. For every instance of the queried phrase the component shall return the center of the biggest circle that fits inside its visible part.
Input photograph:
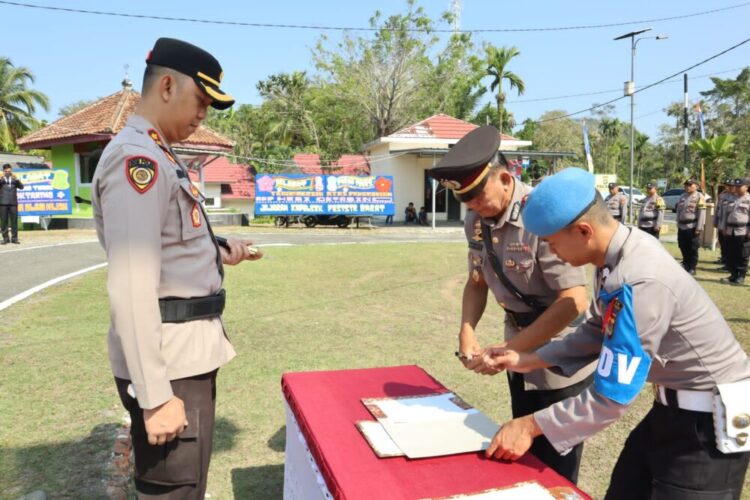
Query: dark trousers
(722, 247)
(526, 402)
(738, 251)
(689, 243)
(650, 230)
(671, 455)
(178, 469)
(9, 217)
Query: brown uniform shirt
(531, 266)
(150, 222)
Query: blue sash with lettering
(623, 364)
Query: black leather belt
(177, 310)
(737, 224)
(649, 218)
(522, 320)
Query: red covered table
(327, 457)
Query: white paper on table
(419, 408)
(522, 491)
(378, 439)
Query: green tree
(715, 153)
(18, 103)
(610, 130)
(287, 96)
(497, 59)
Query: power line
(704, 61)
(355, 28)
(599, 92)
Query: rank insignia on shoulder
(515, 212)
(195, 215)
(195, 191)
(142, 172)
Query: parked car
(638, 196)
(672, 196)
(341, 221)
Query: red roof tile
(101, 120)
(221, 171)
(440, 127)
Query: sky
(78, 56)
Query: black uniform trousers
(9, 218)
(178, 469)
(650, 230)
(527, 402)
(738, 251)
(722, 247)
(689, 243)
(672, 455)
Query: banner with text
(45, 192)
(301, 194)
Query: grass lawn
(301, 308)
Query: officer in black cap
(726, 196)
(691, 217)
(540, 294)
(651, 216)
(166, 340)
(737, 238)
(617, 203)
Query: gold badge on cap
(141, 172)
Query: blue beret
(559, 200)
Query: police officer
(540, 294)
(737, 238)
(720, 220)
(651, 216)
(166, 338)
(9, 185)
(691, 217)
(617, 203)
(648, 322)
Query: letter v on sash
(626, 371)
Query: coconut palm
(18, 103)
(497, 59)
(714, 152)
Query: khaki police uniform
(719, 221)
(166, 337)
(531, 266)
(617, 205)
(692, 349)
(738, 236)
(691, 217)
(651, 215)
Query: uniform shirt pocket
(191, 215)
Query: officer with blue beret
(649, 322)
(540, 294)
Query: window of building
(226, 189)
(87, 166)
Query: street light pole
(630, 91)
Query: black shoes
(5, 242)
(15, 241)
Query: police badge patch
(195, 215)
(142, 172)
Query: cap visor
(221, 100)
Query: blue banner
(302, 194)
(45, 192)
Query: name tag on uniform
(623, 364)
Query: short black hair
(7, 166)
(153, 72)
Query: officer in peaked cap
(617, 203)
(540, 294)
(691, 217)
(166, 339)
(649, 322)
(726, 194)
(738, 232)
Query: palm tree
(17, 103)
(497, 59)
(609, 129)
(288, 95)
(714, 152)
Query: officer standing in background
(540, 294)
(166, 339)
(691, 217)
(737, 238)
(617, 203)
(648, 322)
(720, 220)
(9, 186)
(651, 216)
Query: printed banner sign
(302, 194)
(45, 192)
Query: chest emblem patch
(141, 172)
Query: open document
(427, 426)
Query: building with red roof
(227, 185)
(408, 153)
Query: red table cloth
(327, 404)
